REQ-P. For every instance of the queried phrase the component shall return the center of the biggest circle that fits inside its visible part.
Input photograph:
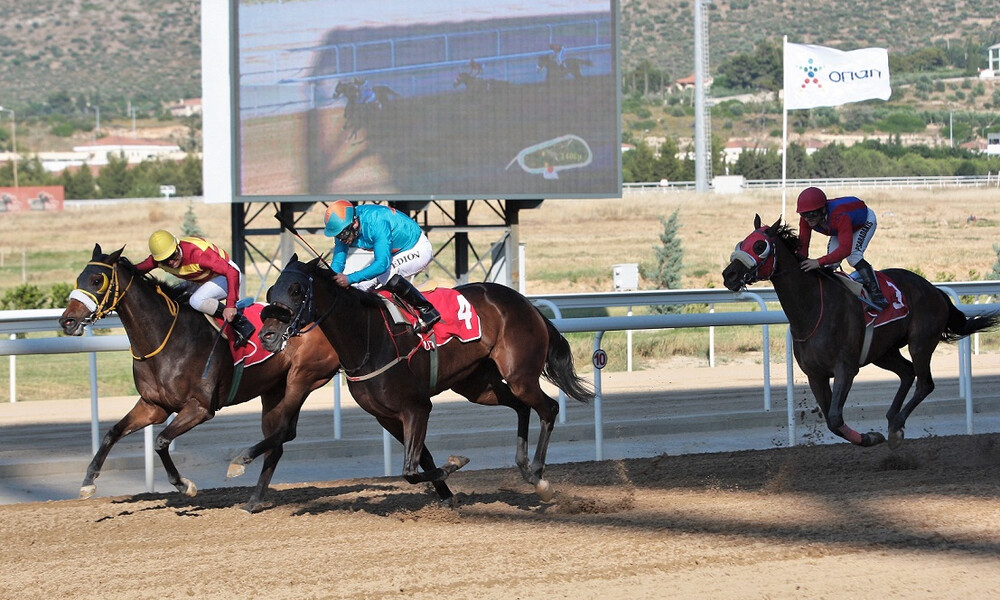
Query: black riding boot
(241, 326)
(864, 270)
(243, 329)
(427, 315)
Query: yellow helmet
(162, 244)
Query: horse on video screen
(363, 103)
(571, 67)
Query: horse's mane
(364, 298)
(787, 236)
(175, 292)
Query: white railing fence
(28, 321)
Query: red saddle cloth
(253, 352)
(459, 319)
(897, 309)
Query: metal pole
(13, 374)
(94, 423)
(598, 407)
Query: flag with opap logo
(820, 76)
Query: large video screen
(426, 99)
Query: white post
(521, 277)
(13, 374)
(336, 407)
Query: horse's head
(97, 292)
(461, 78)
(289, 304)
(344, 89)
(753, 259)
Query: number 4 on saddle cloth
(459, 319)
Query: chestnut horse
(392, 377)
(179, 367)
(827, 323)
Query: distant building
(135, 150)
(185, 108)
(993, 144)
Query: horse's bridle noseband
(759, 258)
(99, 307)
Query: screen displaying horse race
(449, 99)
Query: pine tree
(669, 261)
(190, 225)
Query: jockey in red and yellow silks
(200, 261)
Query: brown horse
(392, 378)
(571, 67)
(478, 84)
(827, 323)
(180, 368)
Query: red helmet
(811, 198)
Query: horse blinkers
(756, 253)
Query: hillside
(662, 30)
(109, 51)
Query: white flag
(820, 76)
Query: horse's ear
(293, 259)
(114, 256)
(756, 221)
(97, 252)
(777, 224)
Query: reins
(102, 306)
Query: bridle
(757, 254)
(305, 316)
(111, 295)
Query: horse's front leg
(903, 368)
(414, 434)
(842, 383)
(193, 414)
(141, 415)
(395, 428)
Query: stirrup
(426, 320)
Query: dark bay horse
(827, 323)
(478, 84)
(171, 344)
(555, 71)
(359, 109)
(392, 378)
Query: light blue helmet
(339, 216)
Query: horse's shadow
(381, 500)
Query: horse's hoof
(896, 439)
(87, 491)
(458, 461)
(235, 470)
(544, 490)
(874, 438)
(187, 487)
(251, 507)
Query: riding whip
(291, 228)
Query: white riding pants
(211, 294)
(859, 242)
(406, 263)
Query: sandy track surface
(806, 522)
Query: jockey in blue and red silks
(200, 261)
(850, 223)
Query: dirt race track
(829, 521)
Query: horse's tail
(559, 369)
(960, 326)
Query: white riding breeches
(406, 263)
(211, 294)
(859, 241)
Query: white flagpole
(784, 135)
